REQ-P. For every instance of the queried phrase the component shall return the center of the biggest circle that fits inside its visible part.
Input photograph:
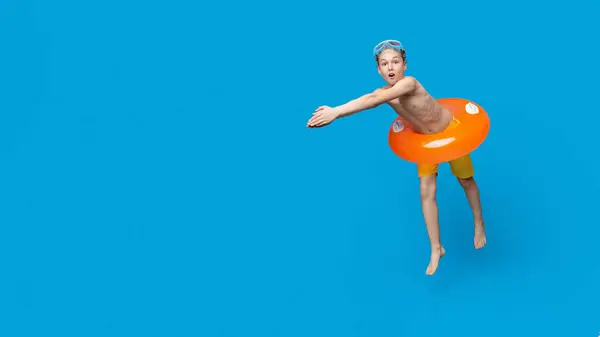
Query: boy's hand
(322, 116)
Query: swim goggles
(394, 44)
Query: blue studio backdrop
(157, 177)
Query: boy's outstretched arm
(377, 97)
(325, 115)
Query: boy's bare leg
(472, 193)
(430, 213)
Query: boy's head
(390, 56)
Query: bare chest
(418, 108)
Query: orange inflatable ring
(450, 144)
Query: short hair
(402, 53)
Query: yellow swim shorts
(461, 167)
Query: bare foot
(436, 255)
(480, 239)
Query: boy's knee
(467, 183)
(428, 187)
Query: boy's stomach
(424, 126)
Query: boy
(410, 100)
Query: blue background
(157, 177)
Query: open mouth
(391, 75)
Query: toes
(431, 268)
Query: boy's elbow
(372, 100)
